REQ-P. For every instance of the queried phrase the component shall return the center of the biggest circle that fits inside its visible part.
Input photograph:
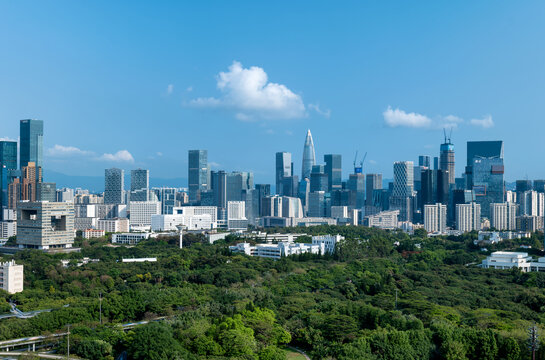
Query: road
(13, 354)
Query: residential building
(468, 217)
(503, 216)
(142, 211)
(530, 223)
(93, 233)
(116, 225)
(11, 277)
(435, 218)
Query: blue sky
(136, 84)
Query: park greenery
(382, 295)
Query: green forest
(382, 295)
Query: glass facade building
(309, 157)
(114, 186)
(333, 169)
(31, 138)
(198, 173)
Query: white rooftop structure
(507, 260)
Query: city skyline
(367, 102)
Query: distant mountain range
(96, 183)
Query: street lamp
(181, 232)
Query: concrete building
(468, 217)
(435, 218)
(506, 260)
(327, 242)
(11, 277)
(82, 223)
(142, 211)
(93, 233)
(45, 225)
(8, 229)
(292, 207)
(503, 216)
(129, 238)
(113, 225)
(383, 220)
(529, 223)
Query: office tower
(303, 192)
(25, 188)
(236, 182)
(263, 190)
(317, 204)
(488, 183)
(435, 163)
(318, 179)
(252, 201)
(435, 218)
(424, 160)
(531, 203)
(292, 207)
(333, 169)
(523, 185)
(139, 185)
(8, 167)
(443, 186)
(539, 185)
(481, 149)
(284, 168)
(142, 211)
(31, 142)
(356, 185)
(198, 173)
(219, 187)
(290, 185)
(428, 187)
(402, 197)
(342, 197)
(468, 217)
(46, 192)
(447, 158)
(114, 186)
(168, 198)
(272, 206)
(309, 157)
(372, 182)
(45, 225)
(503, 216)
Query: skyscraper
(402, 198)
(318, 179)
(284, 168)
(31, 146)
(333, 169)
(446, 162)
(114, 186)
(309, 157)
(8, 164)
(435, 218)
(140, 185)
(198, 173)
(424, 160)
(372, 182)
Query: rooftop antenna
(362, 161)
(355, 158)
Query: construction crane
(359, 169)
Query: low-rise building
(133, 260)
(93, 233)
(129, 238)
(116, 225)
(11, 277)
(507, 260)
(383, 220)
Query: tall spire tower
(309, 157)
(447, 157)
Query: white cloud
(158, 153)
(60, 150)
(397, 117)
(189, 89)
(486, 122)
(120, 156)
(450, 121)
(170, 89)
(214, 164)
(248, 92)
(316, 107)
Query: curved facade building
(309, 157)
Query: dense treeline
(383, 295)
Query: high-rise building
(198, 173)
(531, 203)
(468, 217)
(219, 187)
(45, 225)
(333, 169)
(309, 157)
(372, 182)
(8, 167)
(114, 186)
(356, 185)
(503, 216)
(446, 162)
(142, 211)
(317, 206)
(46, 192)
(523, 185)
(318, 179)
(31, 142)
(481, 149)
(402, 197)
(139, 185)
(237, 182)
(11, 277)
(435, 218)
(424, 160)
(290, 186)
(284, 168)
(263, 190)
(487, 181)
(539, 185)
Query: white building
(198, 210)
(129, 238)
(142, 211)
(468, 217)
(191, 222)
(276, 251)
(503, 216)
(531, 203)
(327, 242)
(383, 220)
(435, 218)
(113, 225)
(11, 277)
(292, 207)
(82, 223)
(8, 229)
(138, 260)
(508, 260)
(93, 233)
(236, 210)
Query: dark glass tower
(31, 137)
(198, 173)
(139, 185)
(284, 169)
(333, 169)
(8, 165)
(114, 185)
(446, 159)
